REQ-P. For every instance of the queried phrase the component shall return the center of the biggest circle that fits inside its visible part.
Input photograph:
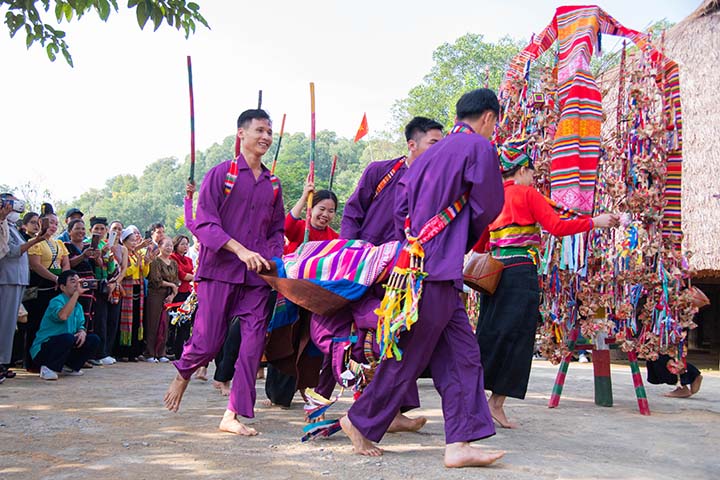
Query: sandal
(6, 372)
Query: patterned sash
(386, 179)
(232, 174)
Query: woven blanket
(325, 276)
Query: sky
(125, 103)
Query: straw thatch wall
(694, 44)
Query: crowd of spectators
(93, 294)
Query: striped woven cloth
(345, 267)
(576, 150)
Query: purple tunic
(457, 164)
(368, 218)
(252, 214)
(442, 337)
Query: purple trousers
(218, 303)
(443, 339)
(324, 329)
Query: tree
(469, 62)
(25, 14)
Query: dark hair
(249, 115)
(5, 195)
(156, 226)
(46, 209)
(65, 276)
(47, 213)
(74, 222)
(321, 195)
(28, 216)
(117, 221)
(420, 125)
(178, 239)
(475, 103)
(98, 221)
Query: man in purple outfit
(368, 215)
(464, 162)
(239, 221)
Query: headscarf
(513, 155)
(129, 230)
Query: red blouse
(185, 266)
(295, 233)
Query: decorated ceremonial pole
(311, 175)
(192, 122)
(332, 172)
(277, 151)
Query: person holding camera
(105, 313)
(48, 259)
(62, 344)
(14, 276)
(82, 258)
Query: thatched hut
(694, 44)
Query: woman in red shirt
(508, 319)
(324, 206)
(280, 387)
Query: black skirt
(506, 328)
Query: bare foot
(462, 454)
(224, 387)
(695, 385)
(201, 374)
(175, 392)
(260, 374)
(401, 423)
(361, 445)
(679, 392)
(231, 424)
(498, 414)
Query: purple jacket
(457, 164)
(371, 219)
(252, 214)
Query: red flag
(363, 130)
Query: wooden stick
(332, 172)
(282, 129)
(311, 175)
(192, 122)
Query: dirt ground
(110, 424)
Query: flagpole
(282, 129)
(311, 175)
(259, 99)
(332, 171)
(192, 122)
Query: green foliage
(26, 14)
(459, 66)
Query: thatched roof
(694, 44)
